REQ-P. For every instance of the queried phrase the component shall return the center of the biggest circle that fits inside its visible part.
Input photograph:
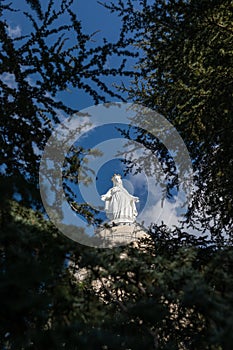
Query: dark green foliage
(165, 295)
(186, 74)
(168, 294)
(42, 304)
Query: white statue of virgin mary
(119, 204)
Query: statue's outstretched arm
(136, 199)
(107, 196)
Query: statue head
(116, 179)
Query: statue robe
(120, 205)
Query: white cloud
(9, 80)
(14, 32)
(156, 213)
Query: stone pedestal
(120, 234)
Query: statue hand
(136, 199)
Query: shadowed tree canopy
(173, 293)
